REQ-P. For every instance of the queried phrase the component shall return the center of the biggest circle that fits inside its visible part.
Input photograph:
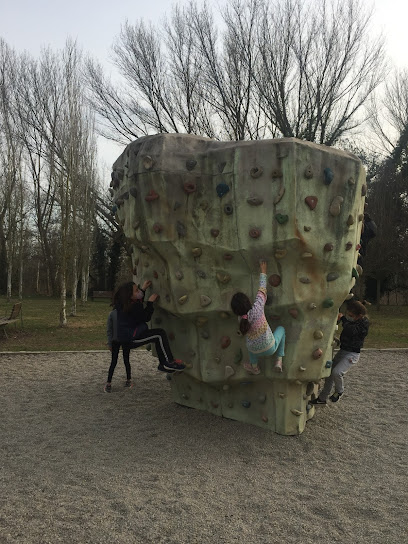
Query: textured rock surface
(200, 215)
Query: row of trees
(298, 68)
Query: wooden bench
(102, 294)
(15, 313)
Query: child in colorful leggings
(260, 339)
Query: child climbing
(355, 329)
(127, 327)
(252, 322)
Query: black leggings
(158, 337)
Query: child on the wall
(260, 339)
(127, 327)
(355, 329)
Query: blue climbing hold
(246, 403)
(114, 209)
(222, 189)
(328, 176)
(328, 364)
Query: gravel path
(81, 466)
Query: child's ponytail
(240, 305)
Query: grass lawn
(87, 330)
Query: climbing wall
(199, 215)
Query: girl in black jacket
(355, 329)
(127, 327)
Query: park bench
(15, 313)
(102, 294)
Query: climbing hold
(328, 176)
(190, 163)
(223, 278)
(183, 299)
(119, 201)
(264, 418)
(214, 233)
(328, 364)
(136, 224)
(274, 280)
(276, 173)
(280, 253)
(133, 192)
(228, 372)
(204, 300)
(147, 162)
(179, 275)
(307, 229)
(262, 398)
(205, 335)
(157, 228)
(225, 342)
(255, 233)
(318, 334)
(224, 315)
(332, 276)
(349, 245)
(327, 303)
(168, 377)
(304, 279)
(204, 205)
(308, 172)
(281, 395)
(364, 190)
(201, 321)
(176, 206)
(201, 274)
(311, 201)
(358, 246)
(222, 189)
(359, 269)
(256, 172)
(302, 368)
(296, 412)
(114, 209)
(328, 247)
(155, 274)
(196, 251)
(317, 353)
(181, 229)
(228, 257)
(281, 218)
(217, 360)
(361, 217)
(245, 403)
(354, 273)
(335, 206)
(350, 220)
(189, 187)
(307, 255)
(293, 312)
(228, 209)
(254, 201)
(351, 181)
(152, 195)
(238, 357)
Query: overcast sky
(31, 24)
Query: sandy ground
(82, 466)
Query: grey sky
(31, 24)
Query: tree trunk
(74, 286)
(378, 294)
(9, 274)
(63, 298)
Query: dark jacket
(353, 334)
(124, 327)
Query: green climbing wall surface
(199, 215)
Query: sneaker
(128, 383)
(176, 364)
(108, 388)
(278, 365)
(252, 369)
(318, 401)
(335, 397)
(163, 369)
